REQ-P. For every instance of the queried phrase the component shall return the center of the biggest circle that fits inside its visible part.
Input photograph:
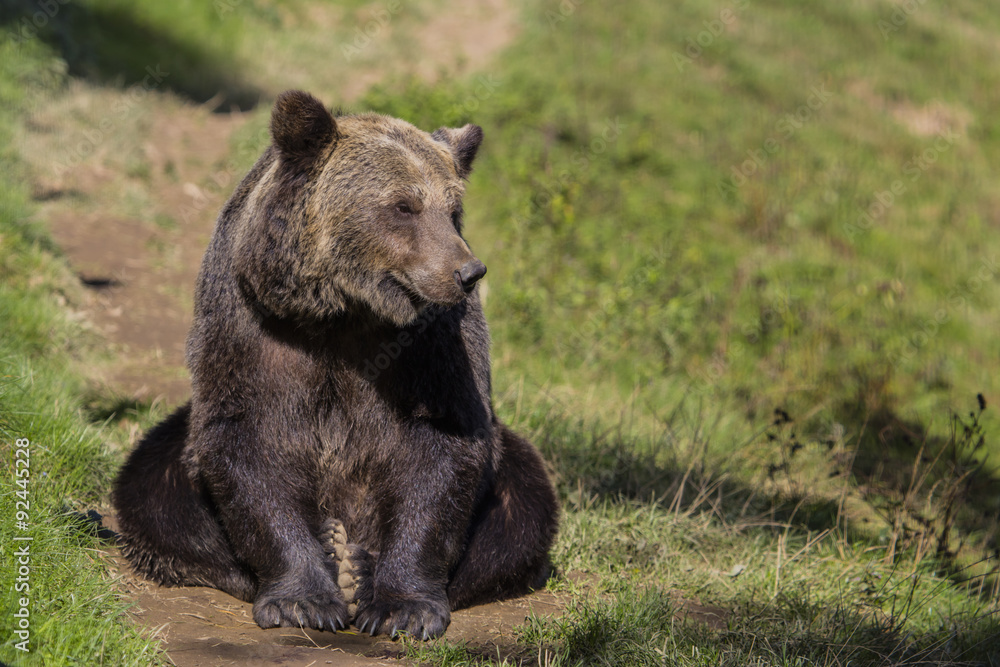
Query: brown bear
(340, 446)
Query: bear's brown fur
(341, 377)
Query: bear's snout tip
(469, 274)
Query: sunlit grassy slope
(667, 226)
(740, 208)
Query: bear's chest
(400, 401)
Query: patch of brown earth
(932, 119)
(141, 268)
(200, 626)
(475, 32)
(203, 626)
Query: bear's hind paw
(353, 562)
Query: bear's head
(356, 212)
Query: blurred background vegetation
(743, 288)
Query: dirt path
(133, 208)
(141, 274)
(202, 627)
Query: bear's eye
(404, 208)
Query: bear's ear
(301, 126)
(464, 143)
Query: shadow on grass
(110, 409)
(951, 505)
(644, 625)
(898, 461)
(110, 45)
(856, 633)
(593, 462)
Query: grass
(787, 580)
(76, 615)
(742, 288)
(641, 627)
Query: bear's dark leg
(406, 590)
(511, 531)
(168, 530)
(267, 508)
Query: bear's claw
(320, 612)
(417, 618)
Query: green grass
(638, 626)
(76, 614)
(623, 258)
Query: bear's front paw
(418, 618)
(321, 610)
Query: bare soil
(202, 626)
(140, 275)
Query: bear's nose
(469, 275)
